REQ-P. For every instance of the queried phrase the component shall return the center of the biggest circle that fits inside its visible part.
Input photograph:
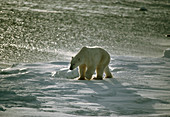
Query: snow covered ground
(38, 38)
(140, 87)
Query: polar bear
(89, 60)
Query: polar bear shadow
(119, 99)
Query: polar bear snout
(71, 67)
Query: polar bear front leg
(90, 71)
(82, 70)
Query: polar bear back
(94, 55)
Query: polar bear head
(79, 59)
(75, 62)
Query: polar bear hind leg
(108, 73)
(100, 71)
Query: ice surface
(140, 87)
